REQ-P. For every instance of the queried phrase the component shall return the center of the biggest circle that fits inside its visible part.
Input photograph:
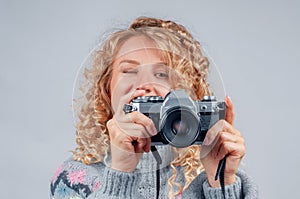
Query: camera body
(179, 120)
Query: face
(138, 66)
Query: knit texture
(74, 180)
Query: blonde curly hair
(91, 133)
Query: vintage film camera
(179, 120)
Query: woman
(112, 160)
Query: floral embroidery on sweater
(77, 177)
(74, 181)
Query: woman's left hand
(223, 140)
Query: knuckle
(226, 145)
(226, 124)
(132, 116)
(223, 122)
(148, 122)
(222, 136)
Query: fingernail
(227, 99)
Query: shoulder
(75, 179)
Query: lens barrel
(180, 126)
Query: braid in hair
(159, 23)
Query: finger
(225, 137)
(148, 145)
(141, 143)
(236, 150)
(133, 129)
(125, 100)
(122, 141)
(220, 126)
(118, 133)
(135, 121)
(142, 119)
(213, 132)
(229, 117)
(117, 129)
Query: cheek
(162, 90)
(118, 89)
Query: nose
(145, 82)
(147, 87)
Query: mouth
(137, 98)
(147, 98)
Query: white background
(42, 44)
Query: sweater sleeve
(233, 191)
(244, 187)
(117, 184)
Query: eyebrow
(131, 61)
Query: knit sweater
(75, 180)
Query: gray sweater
(76, 180)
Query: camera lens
(180, 126)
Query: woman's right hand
(129, 135)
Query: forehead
(135, 43)
(139, 48)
